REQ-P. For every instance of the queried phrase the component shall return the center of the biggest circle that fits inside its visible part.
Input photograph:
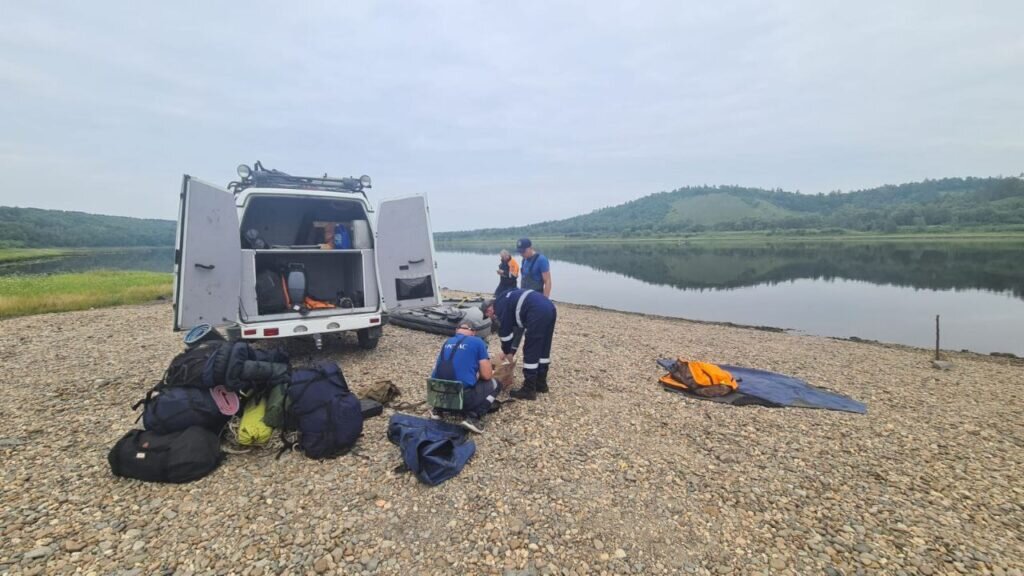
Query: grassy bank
(8, 255)
(24, 295)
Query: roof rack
(258, 176)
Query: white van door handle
(204, 266)
(420, 261)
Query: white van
(229, 241)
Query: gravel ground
(606, 474)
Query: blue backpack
(328, 417)
(432, 450)
(175, 409)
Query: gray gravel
(607, 474)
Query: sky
(503, 113)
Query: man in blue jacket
(530, 310)
(464, 358)
(535, 269)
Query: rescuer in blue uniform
(464, 358)
(535, 269)
(530, 310)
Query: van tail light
(270, 331)
(249, 332)
(375, 320)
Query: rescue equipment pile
(204, 388)
(747, 386)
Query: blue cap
(523, 244)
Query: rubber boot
(528, 391)
(542, 382)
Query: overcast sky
(503, 112)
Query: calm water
(886, 292)
(149, 259)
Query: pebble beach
(606, 474)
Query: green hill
(36, 228)
(950, 203)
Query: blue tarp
(781, 390)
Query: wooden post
(936, 336)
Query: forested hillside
(32, 228)
(953, 203)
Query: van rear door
(405, 254)
(207, 259)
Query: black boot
(528, 391)
(542, 382)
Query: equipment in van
(231, 242)
(295, 285)
(252, 236)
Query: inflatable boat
(443, 319)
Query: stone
(323, 564)
(74, 545)
(41, 552)
(942, 365)
(777, 563)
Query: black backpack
(197, 366)
(176, 457)
(270, 293)
(327, 415)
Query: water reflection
(997, 267)
(148, 259)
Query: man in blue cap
(535, 269)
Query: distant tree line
(953, 203)
(35, 228)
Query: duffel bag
(175, 409)
(326, 414)
(176, 457)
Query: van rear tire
(367, 342)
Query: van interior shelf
(312, 250)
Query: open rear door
(405, 254)
(207, 261)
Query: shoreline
(770, 329)
(562, 485)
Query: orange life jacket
(317, 304)
(701, 378)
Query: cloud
(542, 109)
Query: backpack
(270, 293)
(431, 449)
(176, 457)
(324, 411)
(194, 366)
(703, 378)
(175, 409)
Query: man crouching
(464, 358)
(530, 311)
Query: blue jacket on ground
(431, 449)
